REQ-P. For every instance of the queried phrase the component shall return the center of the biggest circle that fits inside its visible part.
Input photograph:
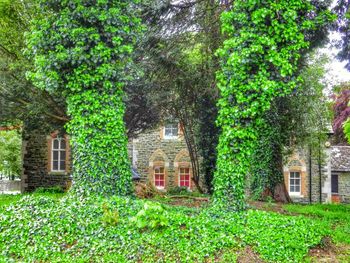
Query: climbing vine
(83, 50)
(259, 60)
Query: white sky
(336, 69)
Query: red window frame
(184, 177)
(159, 177)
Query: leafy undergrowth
(336, 214)
(72, 229)
(7, 199)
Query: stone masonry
(36, 158)
(150, 149)
(334, 160)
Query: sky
(336, 69)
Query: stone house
(46, 161)
(310, 181)
(160, 156)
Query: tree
(259, 62)
(83, 50)
(342, 26)
(298, 119)
(347, 130)
(179, 62)
(10, 152)
(19, 99)
(341, 111)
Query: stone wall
(8, 186)
(36, 172)
(299, 161)
(344, 187)
(151, 149)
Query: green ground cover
(74, 229)
(8, 199)
(338, 215)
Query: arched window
(159, 177)
(184, 177)
(58, 157)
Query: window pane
(175, 131)
(55, 155)
(63, 144)
(55, 165)
(171, 129)
(55, 144)
(335, 183)
(168, 132)
(297, 188)
(63, 155)
(62, 165)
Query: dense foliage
(10, 153)
(259, 61)
(180, 66)
(343, 27)
(341, 111)
(299, 119)
(337, 215)
(347, 130)
(83, 50)
(79, 230)
(19, 99)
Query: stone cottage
(309, 181)
(160, 156)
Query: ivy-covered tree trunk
(259, 61)
(83, 51)
(266, 173)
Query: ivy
(259, 62)
(347, 130)
(83, 50)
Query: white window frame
(171, 137)
(59, 150)
(289, 183)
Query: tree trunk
(280, 193)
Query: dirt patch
(188, 201)
(271, 207)
(248, 255)
(329, 252)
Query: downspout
(310, 175)
(319, 169)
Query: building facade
(313, 180)
(159, 156)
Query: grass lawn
(46, 228)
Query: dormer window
(171, 130)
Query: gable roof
(340, 158)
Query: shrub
(152, 215)
(110, 217)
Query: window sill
(58, 173)
(295, 195)
(171, 138)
